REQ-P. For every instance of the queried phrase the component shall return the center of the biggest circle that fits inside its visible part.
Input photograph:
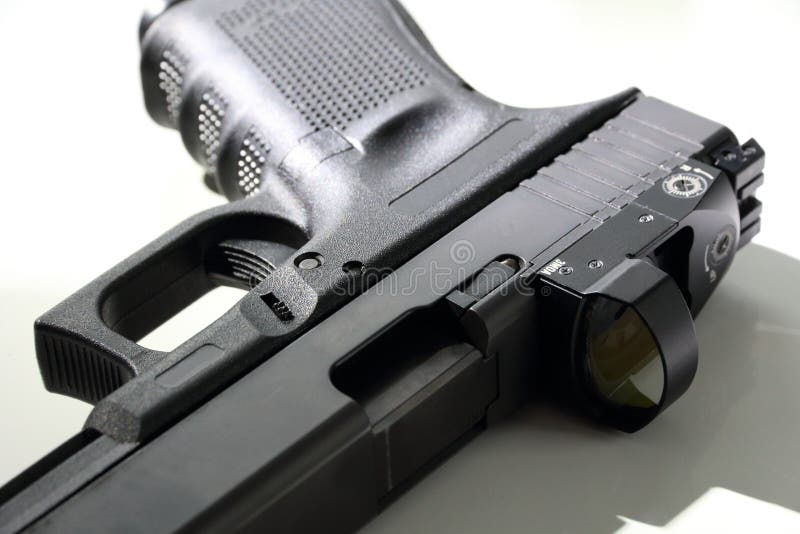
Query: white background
(88, 178)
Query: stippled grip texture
(245, 80)
(332, 60)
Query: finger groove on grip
(333, 60)
(171, 72)
(75, 368)
(210, 118)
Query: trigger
(245, 263)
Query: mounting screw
(596, 264)
(566, 270)
(646, 218)
(309, 261)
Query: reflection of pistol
(416, 259)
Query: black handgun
(418, 261)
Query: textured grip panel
(77, 369)
(210, 118)
(333, 60)
(250, 163)
(271, 73)
(172, 69)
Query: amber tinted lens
(624, 363)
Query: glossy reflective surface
(623, 362)
(737, 427)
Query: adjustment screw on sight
(646, 218)
(596, 264)
(566, 270)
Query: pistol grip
(247, 82)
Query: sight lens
(624, 364)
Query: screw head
(596, 264)
(309, 261)
(647, 218)
(750, 151)
(565, 270)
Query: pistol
(416, 259)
